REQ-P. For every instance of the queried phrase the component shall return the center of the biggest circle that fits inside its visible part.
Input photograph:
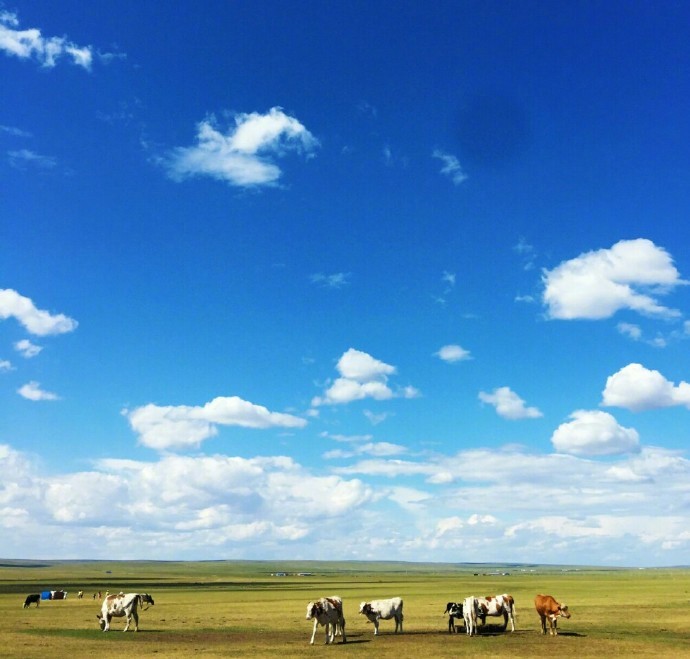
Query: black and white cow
(327, 611)
(383, 610)
(32, 599)
(123, 606)
(454, 611)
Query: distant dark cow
(548, 608)
(32, 599)
(454, 611)
(497, 605)
(327, 611)
(383, 610)
(123, 606)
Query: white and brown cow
(327, 611)
(383, 610)
(123, 606)
(497, 605)
(470, 609)
(548, 608)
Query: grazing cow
(123, 606)
(383, 610)
(497, 605)
(327, 611)
(548, 607)
(32, 599)
(454, 611)
(80, 594)
(470, 612)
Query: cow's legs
(316, 624)
(135, 615)
(376, 627)
(342, 628)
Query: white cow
(327, 611)
(383, 610)
(122, 606)
(470, 610)
(497, 605)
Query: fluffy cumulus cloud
(509, 405)
(221, 506)
(453, 353)
(244, 155)
(36, 321)
(632, 274)
(593, 432)
(182, 426)
(362, 376)
(31, 44)
(33, 391)
(637, 388)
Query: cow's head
(563, 611)
(455, 610)
(314, 610)
(145, 598)
(101, 621)
(365, 608)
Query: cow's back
(545, 604)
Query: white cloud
(453, 353)
(451, 167)
(509, 405)
(594, 285)
(363, 376)
(30, 44)
(5, 366)
(27, 349)
(32, 391)
(376, 449)
(182, 426)
(24, 158)
(336, 280)
(36, 321)
(637, 388)
(244, 155)
(593, 432)
(630, 330)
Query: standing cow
(327, 611)
(497, 605)
(32, 599)
(123, 606)
(548, 608)
(470, 610)
(383, 610)
(454, 611)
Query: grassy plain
(226, 609)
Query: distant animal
(123, 606)
(470, 609)
(32, 599)
(497, 605)
(548, 608)
(383, 610)
(327, 611)
(80, 594)
(454, 611)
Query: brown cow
(548, 607)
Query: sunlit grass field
(223, 609)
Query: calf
(548, 608)
(122, 606)
(327, 611)
(383, 610)
(454, 611)
(32, 599)
(497, 605)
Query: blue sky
(362, 280)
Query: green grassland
(237, 608)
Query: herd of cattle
(328, 612)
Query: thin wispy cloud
(451, 167)
(15, 132)
(243, 154)
(24, 159)
(27, 349)
(30, 44)
(335, 280)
